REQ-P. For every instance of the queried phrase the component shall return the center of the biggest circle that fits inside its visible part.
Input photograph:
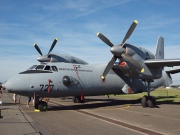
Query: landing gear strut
(78, 99)
(148, 100)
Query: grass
(161, 94)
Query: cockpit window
(40, 67)
(54, 68)
(47, 68)
(32, 67)
(44, 67)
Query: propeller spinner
(119, 51)
(45, 58)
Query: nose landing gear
(39, 104)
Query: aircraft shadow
(105, 103)
(108, 102)
(167, 101)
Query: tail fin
(160, 48)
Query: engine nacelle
(128, 69)
(125, 68)
(148, 73)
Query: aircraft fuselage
(84, 80)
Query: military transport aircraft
(138, 70)
(57, 58)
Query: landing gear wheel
(144, 101)
(42, 106)
(151, 102)
(148, 100)
(77, 99)
(74, 99)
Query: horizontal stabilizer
(173, 71)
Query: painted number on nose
(45, 87)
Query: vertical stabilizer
(160, 48)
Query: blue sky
(76, 22)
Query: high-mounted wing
(162, 62)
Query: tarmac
(98, 115)
(13, 120)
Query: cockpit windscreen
(44, 67)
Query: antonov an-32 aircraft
(138, 70)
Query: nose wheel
(148, 100)
(39, 105)
(42, 106)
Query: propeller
(104, 39)
(37, 48)
(108, 67)
(119, 50)
(130, 31)
(53, 44)
(45, 58)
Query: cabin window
(40, 67)
(54, 68)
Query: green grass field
(161, 94)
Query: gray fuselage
(85, 80)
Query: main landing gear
(148, 100)
(78, 99)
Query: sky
(76, 22)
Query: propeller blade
(108, 67)
(53, 44)
(130, 31)
(37, 48)
(133, 62)
(104, 39)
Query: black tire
(154, 98)
(144, 101)
(80, 100)
(77, 99)
(151, 102)
(42, 106)
(74, 99)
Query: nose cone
(43, 58)
(17, 84)
(117, 50)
